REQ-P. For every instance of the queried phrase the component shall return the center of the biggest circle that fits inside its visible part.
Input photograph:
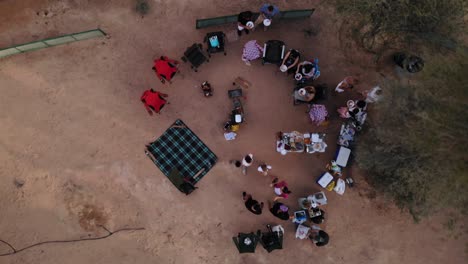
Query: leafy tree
(416, 147)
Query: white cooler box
(342, 156)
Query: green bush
(383, 24)
(415, 149)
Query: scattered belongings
(206, 88)
(236, 117)
(300, 142)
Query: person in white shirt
(264, 168)
(246, 162)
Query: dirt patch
(91, 217)
(73, 112)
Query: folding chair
(194, 54)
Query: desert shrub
(416, 145)
(142, 7)
(382, 24)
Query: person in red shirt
(280, 188)
(153, 101)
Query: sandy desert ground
(73, 130)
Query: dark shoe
(247, 31)
(239, 33)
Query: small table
(315, 142)
(290, 142)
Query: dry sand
(73, 130)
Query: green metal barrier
(216, 21)
(50, 42)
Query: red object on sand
(165, 68)
(153, 100)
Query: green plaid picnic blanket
(180, 149)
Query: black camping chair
(213, 38)
(246, 243)
(271, 240)
(273, 52)
(194, 54)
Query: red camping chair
(165, 68)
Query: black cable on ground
(110, 233)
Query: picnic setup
(185, 159)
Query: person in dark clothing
(251, 204)
(319, 238)
(290, 61)
(280, 210)
(317, 216)
(244, 22)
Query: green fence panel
(216, 21)
(297, 13)
(35, 45)
(31, 46)
(59, 40)
(89, 34)
(8, 52)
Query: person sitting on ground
(153, 101)
(251, 204)
(246, 162)
(206, 88)
(279, 210)
(264, 168)
(280, 188)
(290, 61)
(244, 22)
(319, 237)
(347, 84)
(267, 12)
(305, 94)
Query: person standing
(251, 204)
(244, 22)
(246, 162)
(153, 101)
(267, 12)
